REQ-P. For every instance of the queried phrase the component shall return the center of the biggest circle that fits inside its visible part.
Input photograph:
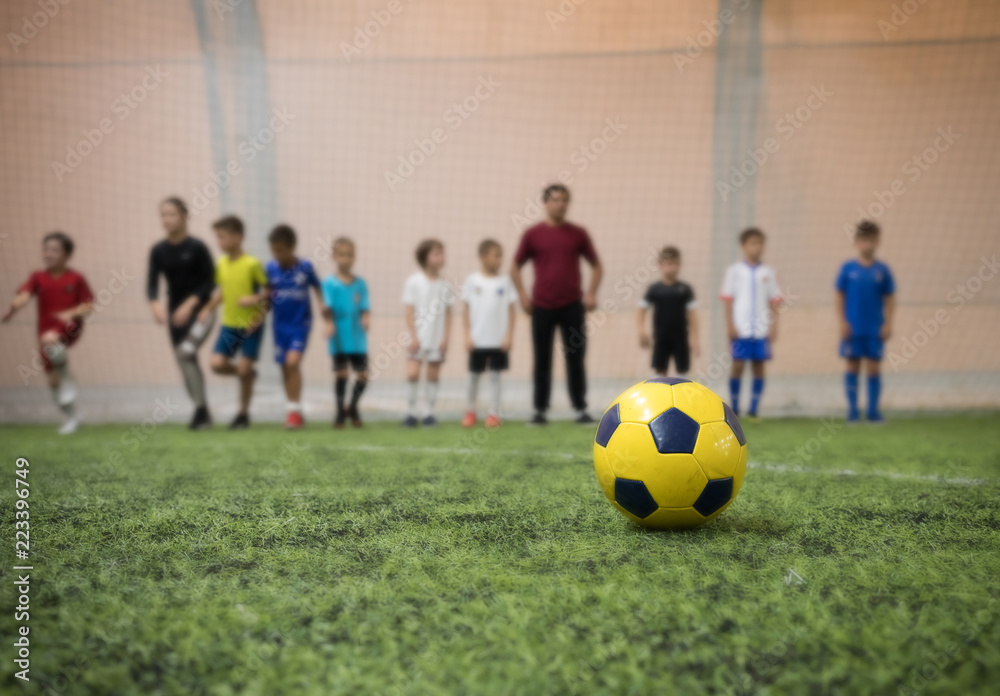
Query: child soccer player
(347, 319)
(428, 301)
(64, 300)
(488, 319)
(866, 302)
(187, 266)
(241, 289)
(289, 279)
(751, 295)
(675, 322)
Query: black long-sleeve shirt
(188, 268)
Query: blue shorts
(232, 341)
(290, 338)
(753, 349)
(857, 347)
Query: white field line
(764, 466)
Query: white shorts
(431, 355)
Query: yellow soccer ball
(669, 453)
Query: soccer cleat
(201, 420)
(469, 420)
(295, 421)
(241, 422)
(410, 422)
(429, 421)
(584, 419)
(492, 422)
(340, 419)
(356, 418)
(70, 426)
(876, 418)
(539, 419)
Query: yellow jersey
(236, 279)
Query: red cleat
(492, 422)
(469, 420)
(295, 421)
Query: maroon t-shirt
(56, 294)
(556, 253)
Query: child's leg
(757, 367)
(245, 371)
(735, 374)
(473, 390)
(851, 388)
(412, 382)
(495, 393)
(360, 382)
(340, 389)
(872, 369)
(292, 373)
(431, 389)
(221, 365)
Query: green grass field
(391, 562)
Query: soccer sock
(194, 380)
(431, 395)
(340, 388)
(359, 389)
(473, 390)
(758, 389)
(495, 392)
(294, 407)
(874, 388)
(411, 398)
(851, 389)
(68, 409)
(734, 392)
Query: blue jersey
(865, 288)
(290, 292)
(347, 302)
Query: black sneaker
(584, 419)
(539, 419)
(410, 422)
(429, 421)
(201, 420)
(339, 421)
(241, 422)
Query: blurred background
(674, 122)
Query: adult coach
(555, 247)
(187, 266)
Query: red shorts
(68, 335)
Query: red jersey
(556, 253)
(56, 294)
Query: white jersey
(430, 299)
(754, 291)
(489, 299)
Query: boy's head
(491, 256)
(670, 262)
(229, 231)
(430, 255)
(752, 243)
(173, 215)
(343, 254)
(282, 240)
(556, 199)
(866, 238)
(57, 247)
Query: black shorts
(479, 358)
(675, 346)
(179, 333)
(359, 361)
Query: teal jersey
(346, 303)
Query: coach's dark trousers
(569, 319)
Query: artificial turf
(445, 561)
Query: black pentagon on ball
(634, 497)
(674, 432)
(716, 494)
(667, 380)
(609, 423)
(734, 423)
